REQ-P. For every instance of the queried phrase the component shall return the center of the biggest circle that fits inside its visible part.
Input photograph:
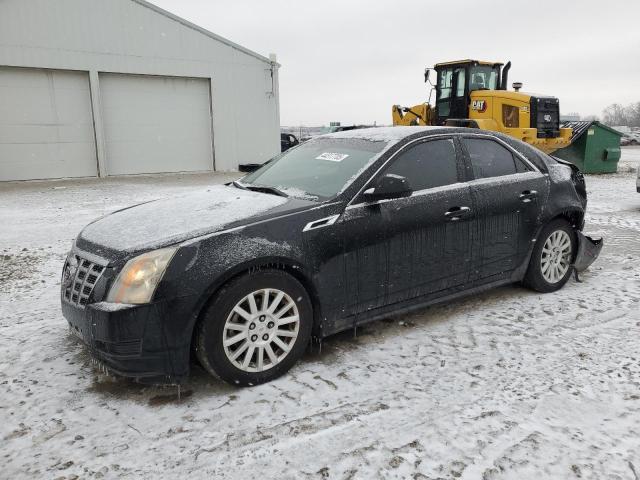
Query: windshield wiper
(237, 184)
(265, 189)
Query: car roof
(386, 134)
(402, 134)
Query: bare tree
(632, 113)
(614, 115)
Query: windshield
(483, 76)
(318, 169)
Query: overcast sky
(351, 60)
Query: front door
(444, 92)
(452, 94)
(459, 97)
(404, 248)
(507, 193)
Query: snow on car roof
(381, 134)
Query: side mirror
(427, 71)
(388, 186)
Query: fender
(288, 264)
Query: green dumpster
(595, 148)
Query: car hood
(171, 220)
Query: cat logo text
(479, 105)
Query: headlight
(137, 281)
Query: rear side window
(490, 159)
(427, 165)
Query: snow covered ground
(509, 384)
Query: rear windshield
(318, 169)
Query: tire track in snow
(293, 430)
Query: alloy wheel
(556, 256)
(261, 330)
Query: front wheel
(552, 258)
(255, 329)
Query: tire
(542, 275)
(242, 341)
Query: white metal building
(115, 87)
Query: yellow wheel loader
(472, 93)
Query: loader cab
(454, 82)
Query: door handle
(456, 213)
(528, 195)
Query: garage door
(156, 124)
(46, 127)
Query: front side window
(427, 165)
(445, 84)
(319, 168)
(490, 159)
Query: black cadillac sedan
(341, 230)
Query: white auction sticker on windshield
(332, 157)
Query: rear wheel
(255, 329)
(554, 252)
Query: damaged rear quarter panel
(564, 200)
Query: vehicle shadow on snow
(329, 352)
(112, 387)
(339, 344)
(199, 385)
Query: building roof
(199, 29)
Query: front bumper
(131, 341)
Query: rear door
(508, 194)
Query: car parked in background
(629, 139)
(344, 229)
(287, 140)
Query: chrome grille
(79, 276)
